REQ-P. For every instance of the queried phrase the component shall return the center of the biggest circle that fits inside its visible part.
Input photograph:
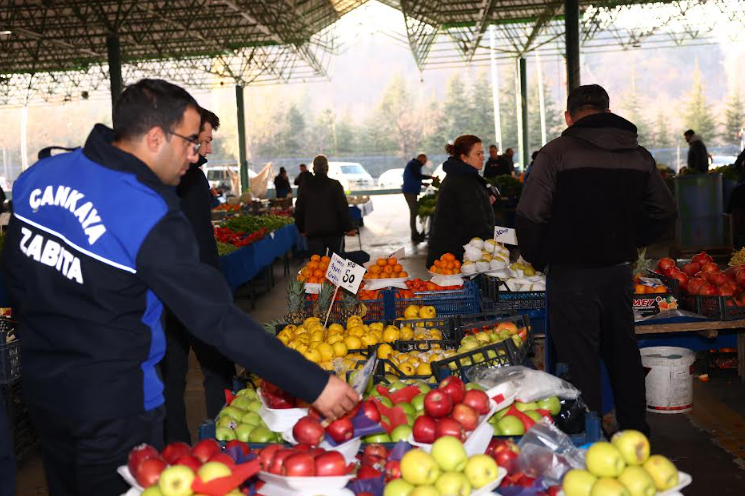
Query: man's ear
(568, 118)
(154, 139)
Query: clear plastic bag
(548, 453)
(531, 385)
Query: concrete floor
(708, 443)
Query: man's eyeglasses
(193, 141)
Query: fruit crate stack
(24, 435)
(448, 325)
(466, 300)
(507, 300)
(10, 352)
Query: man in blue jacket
(96, 246)
(411, 188)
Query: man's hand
(492, 199)
(337, 399)
(351, 233)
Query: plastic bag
(548, 453)
(531, 385)
(571, 418)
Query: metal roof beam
(481, 24)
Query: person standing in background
(506, 166)
(282, 184)
(411, 189)
(491, 167)
(698, 156)
(218, 371)
(303, 176)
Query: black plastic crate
(447, 325)
(719, 307)
(507, 300)
(451, 302)
(10, 352)
(376, 309)
(24, 435)
(500, 354)
(425, 345)
(386, 367)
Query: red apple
(278, 460)
(148, 471)
(341, 430)
(466, 416)
(438, 403)
(710, 267)
(478, 400)
(717, 279)
(190, 461)
(374, 461)
(371, 410)
(330, 464)
(376, 449)
(702, 258)
(316, 452)
(740, 278)
(665, 263)
(205, 449)
(727, 289)
(223, 458)
(366, 472)
(449, 427)
(235, 443)
(424, 429)
(454, 388)
(392, 470)
(308, 430)
(174, 451)
(139, 454)
(691, 269)
(299, 465)
(505, 454)
(266, 454)
(707, 290)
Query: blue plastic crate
(466, 300)
(376, 309)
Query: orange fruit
(382, 262)
(313, 265)
(456, 271)
(315, 258)
(375, 269)
(326, 260)
(397, 268)
(447, 272)
(392, 261)
(312, 280)
(373, 276)
(449, 265)
(437, 263)
(659, 289)
(639, 288)
(301, 278)
(318, 273)
(403, 274)
(449, 257)
(388, 269)
(433, 269)
(395, 275)
(456, 263)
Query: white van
(351, 175)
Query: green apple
(534, 415)
(633, 445)
(424, 388)
(232, 412)
(410, 419)
(418, 402)
(524, 407)
(243, 431)
(453, 483)
(248, 393)
(225, 434)
(398, 487)
(496, 431)
(511, 426)
(475, 385)
(401, 433)
(481, 470)
(663, 472)
(408, 408)
(377, 438)
(261, 434)
(374, 393)
(254, 406)
(425, 491)
(227, 421)
(504, 334)
(501, 413)
(450, 454)
(386, 401)
(419, 468)
(482, 338)
(252, 418)
(578, 483)
(395, 386)
(604, 460)
(552, 404)
(637, 481)
(516, 339)
(152, 491)
(241, 402)
(608, 486)
(176, 481)
(213, 470)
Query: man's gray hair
(321, 164)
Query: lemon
(285, 339)
(378, 335)
(326, 365)
(340, 349)
(424, 369)
(384, 351)
(334, 338)
(391, 334)
(353, 342)
(326, 351)
(407, 368)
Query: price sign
(352, 277)
(336, 269)
(399, 254)
(505, 235)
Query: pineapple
(642, 265)
(349, 306)
(295, 302)
(325, 299)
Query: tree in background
(633, 111)
(660, 132)
(697, 114)
(322, 137)
(481, 112)
(734, 119)
(507, 110)
(456, 108)
(346, 135)
(292, 135)
(435, 128)
(554, 118)
(401, 115)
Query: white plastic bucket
(669, 378)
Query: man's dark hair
(281, 170)
(493, 146)
(303, 165)
(588, 97)
(208, 116)
(149, 103)
(690, 132)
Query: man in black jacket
(218, 371)
(96, 246)
(303, 176)
(322, 211)
(491, 166)
(698, 155)
(593, 197)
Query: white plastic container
(307, 485)
(669, 381)
(279, 420)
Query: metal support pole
(245, 186)
(525, 148)
(571, 23)
(114, 51)
(518, 108)
(541, 97)
(495, 90)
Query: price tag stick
(333, 299)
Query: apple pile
(622, 467)
(172, 472)
(446, 471)
(517, 418)
(240, 420)
(450, 410)
(310, 431)
(302, 461)
(375, 462)
(703, 277)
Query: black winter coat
(196, 203)
(322, 209)
(698, 155)
(593, 197)
(463, 211)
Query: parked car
(720, 160)
(351, 175)
(391, 179)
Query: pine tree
(698, 115)
(482, 109)
(401, 113)
(507, 110)
(633, 111)
(660, 137)
(435, 128)
(734, 119)
(346, 135)
(454, 108)
(293, 132)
